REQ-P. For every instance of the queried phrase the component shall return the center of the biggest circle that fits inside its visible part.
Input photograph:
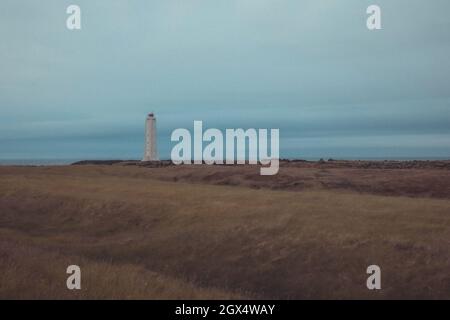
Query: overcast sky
(310, 68)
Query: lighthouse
(151, 153)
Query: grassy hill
(136, 236)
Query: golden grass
(136, 237)
(32, 273)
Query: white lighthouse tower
(151, 153)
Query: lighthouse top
(151, 115)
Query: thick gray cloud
(310, 68)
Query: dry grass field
(210, 232)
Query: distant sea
(62, 162)
(37, 162)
